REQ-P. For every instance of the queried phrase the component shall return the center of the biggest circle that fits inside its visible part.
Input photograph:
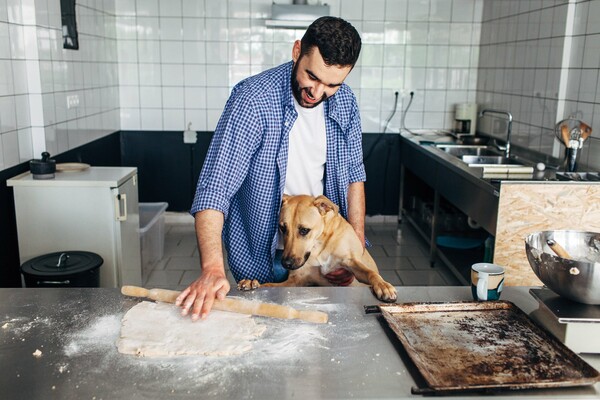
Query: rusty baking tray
(483, 346)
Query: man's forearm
(209, 229)
(356, 209)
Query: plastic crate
(152, 232)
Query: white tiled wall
(178, 62)
(540, 60)
(38, 77)
(159, 65)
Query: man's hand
(340, 277)
(201, 294)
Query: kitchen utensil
(480, 346)
(568, 129)
(43, 168)
(572, 133)
(558, 249)
(71, 167)
(578, 277)
(233, 305)
(586, 130)
(564, 133)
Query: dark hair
(337, 40)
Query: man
(294, 129)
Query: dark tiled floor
(400, 254)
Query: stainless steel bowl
(578, 278)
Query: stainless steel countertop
(352, 356)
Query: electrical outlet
(404, 92)
(72, 101)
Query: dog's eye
(303, 231)
(282, 228)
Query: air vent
(295, 16)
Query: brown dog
(318, 240)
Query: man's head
(323, 59)
(338, 42)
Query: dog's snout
(287, 263)
(291, 263)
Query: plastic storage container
(152, 233)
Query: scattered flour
(289, 345)
(20, 325)
(99, 336)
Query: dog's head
(301, 223)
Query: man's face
(312, 80)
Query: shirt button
(287, 123)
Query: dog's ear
(285, 198)
(324, 205)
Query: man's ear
(296, 49)
(324, 205)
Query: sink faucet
(510, 118)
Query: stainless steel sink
(466, 150)
(488, 160)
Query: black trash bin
(63, 269)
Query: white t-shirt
(307, 152)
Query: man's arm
(212, 283)
(356, 209)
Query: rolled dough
(158, 330)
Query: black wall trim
(382, 164)
(168, 170)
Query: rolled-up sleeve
(235, 140)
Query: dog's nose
(287, 263)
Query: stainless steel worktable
(352, 356)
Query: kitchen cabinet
(92, 210)
(440, 201)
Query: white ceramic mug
(487, 281)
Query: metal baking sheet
(482, 346)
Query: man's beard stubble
(297, 90)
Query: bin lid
(62, 263)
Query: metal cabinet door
(127, 223)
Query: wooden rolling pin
(233, 305)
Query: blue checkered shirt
(244, 172)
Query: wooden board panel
(525, 208)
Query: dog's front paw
(248, 284)
(385, 292)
